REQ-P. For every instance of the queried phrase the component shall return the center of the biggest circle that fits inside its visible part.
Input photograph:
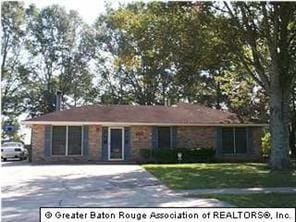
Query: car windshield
(11, 144)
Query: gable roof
(180, 114)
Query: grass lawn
(257, 200)
(220, 175)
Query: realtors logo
(167, 214)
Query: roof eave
(60, 123)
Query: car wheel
(4, 159)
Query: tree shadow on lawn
(198, 176)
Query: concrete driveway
(26, 187)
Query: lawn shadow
(198, 176)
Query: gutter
(79, 123)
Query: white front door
(116, 143)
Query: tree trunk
(292, 138)
(279, 126)
(218, 96)
(293, 126)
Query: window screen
(240, 140)
(58, 140)
(227, 140)
(234, 140)
(164, 137)
(74, 140)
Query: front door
(116, 144)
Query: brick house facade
(141, 138)
(118, 133)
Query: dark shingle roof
(181, 113)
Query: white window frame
(109, 144)
(67, 142)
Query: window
(228, 140)
(66, 140)
(58, 140)
(240, 140)
(164, 137)
(74, 140)
(234, 140)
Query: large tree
(140, 51)
(59, 50)
(262, 35)
(12, 22)
(12, 71)
(160, 51)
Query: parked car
(13, 150)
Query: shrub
(266, 144)
(145, 154)
(171, 155)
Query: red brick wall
(196, 137)
(95, 142)
(141, 138)
(37, 142)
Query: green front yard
(220, 175)
(257, 200)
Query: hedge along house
(119, 132)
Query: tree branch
(250, 38)
(5, 51)
(266, 24)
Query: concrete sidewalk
(239, 191)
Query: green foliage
(176, 51)
(12, 24)
(266, 144)
(59, 45)
(159, 52)
(44, 51)
(145, 53)
(171, 155)
(244, 96)
(262, 37)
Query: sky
(89, 10)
